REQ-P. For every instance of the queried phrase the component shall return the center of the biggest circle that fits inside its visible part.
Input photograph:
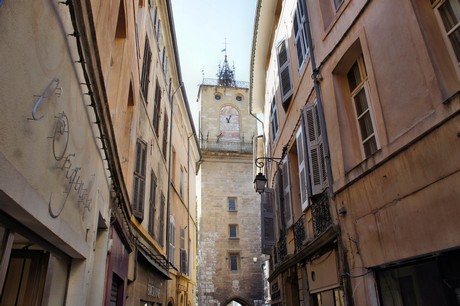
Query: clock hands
(228, 119)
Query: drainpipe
(168, 196)
(316, 79)
(322, 122)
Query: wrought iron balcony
(321, 215)
(225, 146)
(299, 233)
(282, 247)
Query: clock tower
(230, 259)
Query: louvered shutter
(280, 200)
(287, 193)
(302, 161)
(315, 149)
(268, 220)
(284, 71)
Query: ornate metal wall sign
(51, 88)
(60, 136)
(73, 174)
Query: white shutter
(302, 161)
(315, 149)
(284, 73)
(287, 193)
(268, 220)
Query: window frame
(234, 199)
(455, 55)
(363, 85)
(172, 239)
(157, 108)
(235, 227)
(236, 261)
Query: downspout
(168, 196)
(322, 122)
(316, 76)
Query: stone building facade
(229, 232)
(361, 107)
(98, 156)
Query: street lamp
(260, 180)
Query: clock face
(230, 123)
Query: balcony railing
(299, 233)
(321, 215)
(216, 82)
(226, 146)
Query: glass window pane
(455, 41)
(450, 13)
(370, 146)
(365, 125)
(361, 102)
(354, 77)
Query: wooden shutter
(139, 180)
(268, 220)
(183, 261)
(303, 173)
(287, 193)
(280, 201)
(284, 71)
(315, 150)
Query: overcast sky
(202, 27)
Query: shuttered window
(268, 220)
(300, 32)
(172, 239)
(303, 168)
(152, 202)
(317, 166)
(156, 108)
(145, 78)
(139, 180)
(274, 119)
(284, 71)
(449, 11)
(183, 252)
(287, 193)
(165, 134)
(162, 220)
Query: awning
(157, 261)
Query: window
(302, 163)
(116, 291)
(233, 231)
(449, 12)
(139, 179)
(268, 220)
(183, 252)
(232, 204)
(300, 32)
(234, 259)
(287, 193)
(161, 224)
(156, 108)
(146, 69)
(357, 81)
(152, 209)
(284, 71)
(239, 98)
(330, 297)
(165, 135)
(172, 239)
(274, 119)
(217, 96)
(317, 179)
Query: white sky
(202, 26)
